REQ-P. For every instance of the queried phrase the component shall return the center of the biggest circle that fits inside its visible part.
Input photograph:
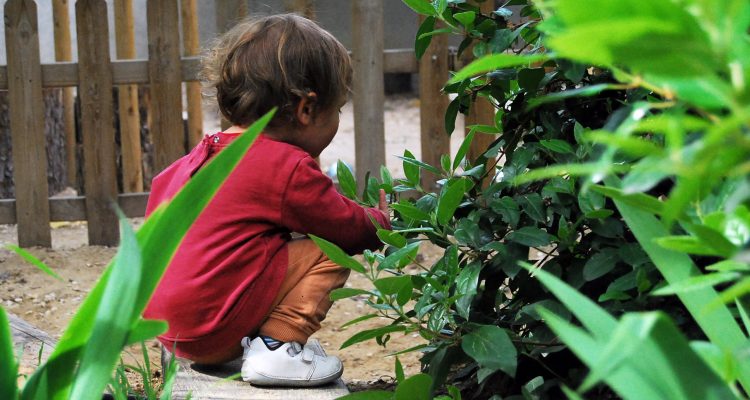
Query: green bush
(623, 146)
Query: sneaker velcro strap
(307, 354)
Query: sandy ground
(49, 303)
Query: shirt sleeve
(311, 205)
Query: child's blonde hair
(275, 61)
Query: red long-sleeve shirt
(230, 265)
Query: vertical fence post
(27, 123)
(191, 44)
(165, 81)
(482, 112)
(127, 99)
(63, 52)
(368, 86)
(305, 8)
(95, 92)
(433, 72)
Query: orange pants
(302, 302)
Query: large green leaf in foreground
(643, 356)
(158, 239)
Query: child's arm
(311, 205)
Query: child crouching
(238, 279)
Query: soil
(49, 304)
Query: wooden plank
(27, 123)
(97, 131)
(73, 208)
(191, 45)
(64, 52)
(34, 342)
(165, 82)
(208, 382)
(63, 74)
(400, 61)
(305, 8)
(127, 100)
(482, 112)
(368, 87)
(433, 72)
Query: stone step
(224, 382)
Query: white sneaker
(289, 365)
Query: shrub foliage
(621, 159)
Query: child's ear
(306, 108)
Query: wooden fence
(164, 72)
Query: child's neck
(269, 133)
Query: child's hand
(382, 204)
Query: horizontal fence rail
(171, 26)
(65, 74)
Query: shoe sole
(261, 380)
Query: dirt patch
(49, 303)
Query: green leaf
(33, 260)
(585, 91)
(416, 387)
(344, 293)
(556, 170)
(508, 209)
(450, 115)
(9, 370)
(557, 146)
(532, 206)
(600, 264)
(359, 319)
(114, 317)
(686, 244)
(463, 149)
(493, 62)
(530, 236)
(420, 164)
(385, 176)
(696, 283)
(392, 238)
(400, 257)
(392, 284)
(594, 318)
(491, 347)
(466, 287)
(422, 42)
(371, 334)
(420, 6)
(639, 200)
(466, 18)
(410, 211)
(529, 78)
(145, 329)
(716, 322)
(411, 170)
(729, 266)
(346, 180)
(450, 197)
(337, 255)
(399, 370)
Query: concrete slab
(224, 382)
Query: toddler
(239, 280)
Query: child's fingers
(382, 204)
